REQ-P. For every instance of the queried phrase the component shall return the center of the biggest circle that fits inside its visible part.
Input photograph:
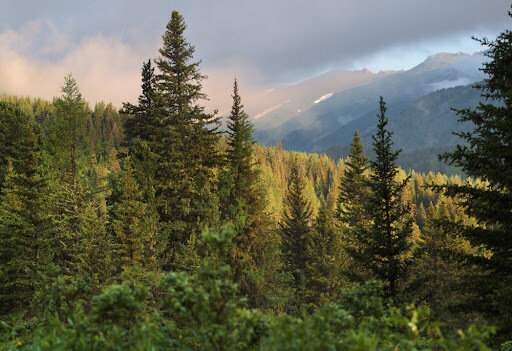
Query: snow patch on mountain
(322, 98)
(268, 110)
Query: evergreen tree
(487, 155)
(385, 246)
(141, 119)
(242, 202)
(185, 142)
(325, 259)
(66, 148)
(14, 123)
(135, 225)
(439, 260)
(295, 228)
(94, 253)
(25, 225)
(67, 131)
(353, 196)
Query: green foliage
(135, 225)
(486, 154)
(326, 259)
(385, 246)
(352, 217)
(242, 203)
(295, 229)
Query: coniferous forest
(162, 226)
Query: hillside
(320, 126)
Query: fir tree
(325, 259)
(186, 140)
(25, 224)
(385, 246)
(135, 225)
(94, 253)
(66, 146)
(242, 202)
(295, 229)
(487, 155)
(67, 130)
(353, 196)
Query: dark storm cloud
(282, 38)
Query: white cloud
(105, 68)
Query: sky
(263, 43)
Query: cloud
(285, 40)
(105, 68)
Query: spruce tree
(65, 144)
(67, 131)
(25, 223)
(141, 121)
(486, 154)
(242, 201)
(135, 225)
(295, 228)
(186, 142)
(385, 246)
(94, 253)
(326, 260)
(354, 192)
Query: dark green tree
(295, 228)
(135, 225)
(326, 259)
(242, 200)
(25, 223)
(354, 192)
(385, 246)
(67, 148)
(141, 121)
(67, 131)
(185, 142)
(487, 154)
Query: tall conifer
(25, 223)
(385, 246)
(242, 201)
(487, 155)
(295, 229)
(354, 192)
(186, 142)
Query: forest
(162, 226)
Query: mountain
(280, 104)
(422, 130)
(332, 121)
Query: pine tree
(325, 259)
(186, 142)
(242, 202)
(295, 229)
(487, 155)
(385, 246)
(353, 196)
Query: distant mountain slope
(278, 105)
(427, 122)
(333, 120)
(422, 130)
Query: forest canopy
(164, 226)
